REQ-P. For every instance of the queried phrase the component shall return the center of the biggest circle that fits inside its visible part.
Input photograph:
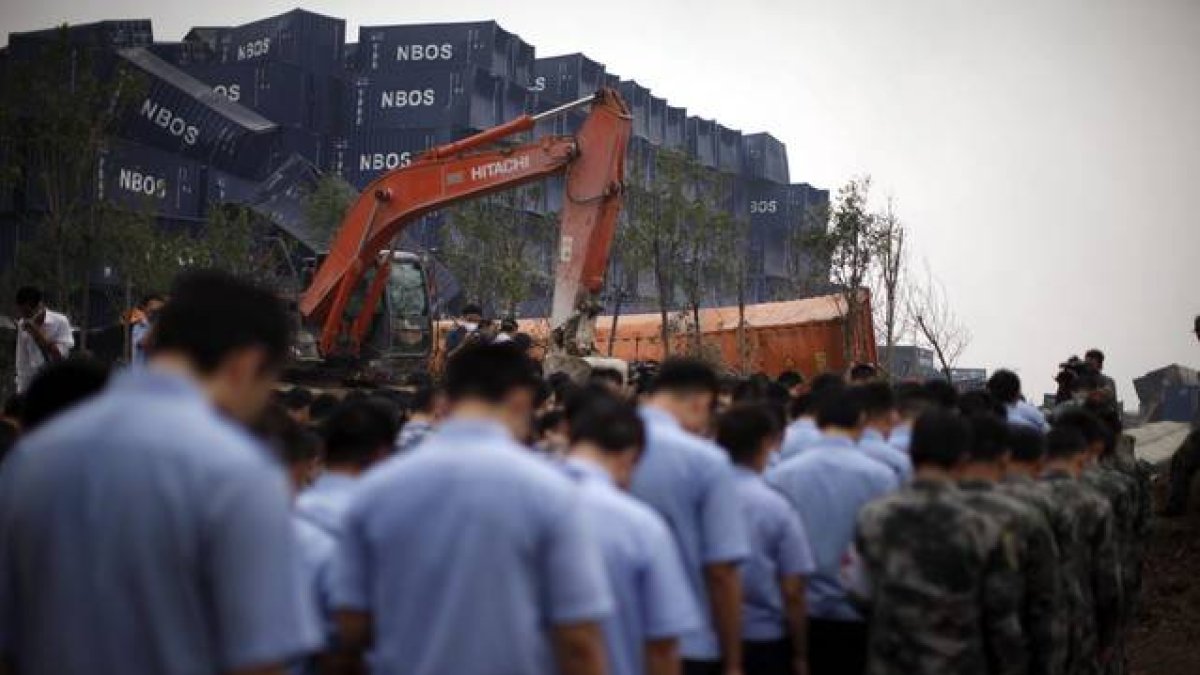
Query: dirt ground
(1166, 638)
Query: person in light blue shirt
(139, 332)
(803, 433)
(774, 621)
(880, 418)
(469, 554)
(357, 435)
(145, 531)
(827, 486)
(690, 482)
(654, 604)
(1005, 387)
(912, 400)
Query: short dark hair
(611, 424)
(1087, 424)
(790, 378)
(423, 399)
(1094, 354)
(799, 406)
(549, 420)
(877, 398)
(863, 372)
(611, 374)
(979, 402)
(296, 398)
(212, 314)
(489, 372)
(1005, 385)
(29, 295)
(684, 375)
(823, 386)
(62, 385)
(742, 429)
(841, 409)
(1026, 443)
(942, 392)
(357, 430)
(471, 308)
(940, 438)
(912, 400)
(323, 406)
(989, 438)
(1064, 442)
(285, 437)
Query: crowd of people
(189, 516)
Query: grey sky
(1044, 154)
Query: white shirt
(57, 329)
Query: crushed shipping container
(461, 97)
(484, 44)
(298, 37)
(765, 157)
(148, 180)
(567, 78)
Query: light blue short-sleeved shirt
(137, 334)
(798, 437)
(1025, 414)
(827, 486)
(316, 548)
(324, 503)
(466, 551)
(143, 533)
(690, 483)
(873, 445)
(778, 548)
(901, 439)
(649, 585)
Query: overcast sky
(1045, 154)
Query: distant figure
(322, 407)
(912, 401)
(428, 408)
(1095, 359)
(803, 433)
(144, 318)
(43, 336)
(1005, 387)
(508, 331)
(298, 401)
(146, 531)
(879, 418)
(466, 326)
(60, 386)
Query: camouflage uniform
(1184, 465)
(1037, 559)
(943, 586)
(1086, 539)
(1121, 492)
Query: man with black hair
(609, 378)
(43, 336)
(60, 386)
(774, 616)
(472, 316)
(428, 407)
(322, 407)
(194, 529)
(943, 393)
(791, 380)
(939, 577)
(879, 418)
(1087, 547)
(654, 605)
(691, 484)
(358, 435)
(1005, 387)
(508, 331)
(143, 320)
(297, 401)
(428, 534)
(803, 433)
(911, 402)
(1043, 612)
(828, 485)
(1095, 359)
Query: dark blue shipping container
(675, 128)
(221, 187)
(183, 54)
(567, 78)
(612, 80)
(765, 157)
(280, 92)
(637, 98)
(141, 178)
(729, 150)
(484, 44)
(702, 141)
(298, 37)
(658, 120)
(283, 196)
(640, 158)
(304, 143)
(363, 157)
(464, 97)
(106, 35)
(180, 114)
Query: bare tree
(938, 327)
(890, 275)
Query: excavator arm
(593, 161)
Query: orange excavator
(341, 302)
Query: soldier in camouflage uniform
(940, 579)
(1087, 543)
(1042, 618)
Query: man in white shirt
(43, 336)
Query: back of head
(790, 378)
(944, 395)
(214, 314)
(683, 376)
(824, 386)
(607, 422)
(981, 403)
(742, 429)
(60, 386)
(912, 400)
(287, 439)
(1026, 443)
(297, 398)
(1064, 443)
(358, 432)
(1087, 424)
(878, 399)
(840, 409)
(1005, 386)
(423, 400)
(488, 373)
(322, 407)
(28, 296)
(989, 438)
(940, 438)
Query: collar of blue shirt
(873, 435)
(745, 472)
(159, 383)
(586, 469)
(474, 427)
(332, 480)
(654, 415)
(835, 443)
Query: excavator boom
(593, 161)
